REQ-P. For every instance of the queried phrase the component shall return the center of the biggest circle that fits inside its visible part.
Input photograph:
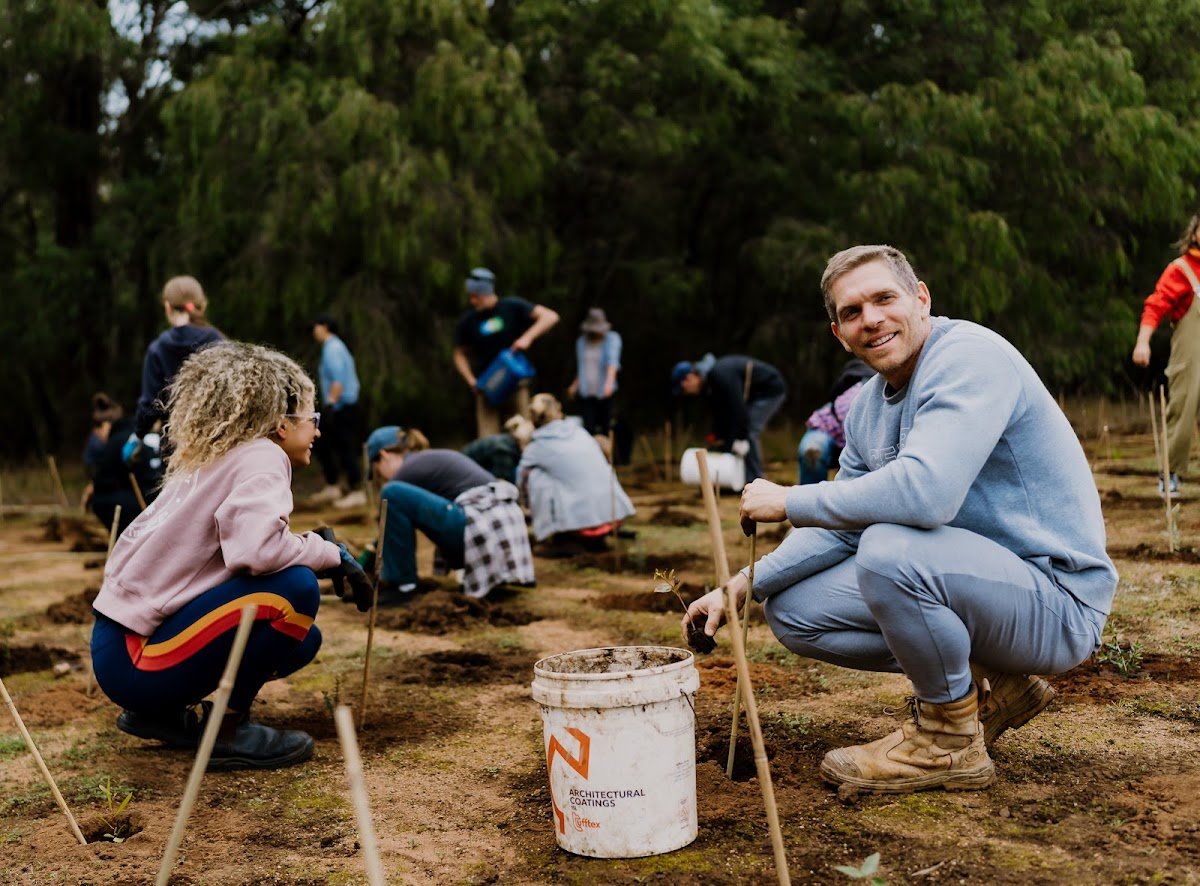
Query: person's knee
(792, 620)
(298, 585)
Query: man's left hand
(764, 502)
(522, 344)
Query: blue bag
(499, 381)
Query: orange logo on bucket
(579, 764)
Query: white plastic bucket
(620, 740)
(725, 469)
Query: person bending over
(216, 539)
(570, 486)
(472, 517)
(961, 544)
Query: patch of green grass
(11, 747)
(1164, 709)
(14, 835)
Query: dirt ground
(1104, 787)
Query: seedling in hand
(667, 583)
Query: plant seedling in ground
(865, 872)
(667, 583)
(116, 831)
(1126, 659)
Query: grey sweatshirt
(974, 441)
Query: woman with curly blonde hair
(215, 540)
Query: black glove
(335, 574)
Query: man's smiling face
(879, 321)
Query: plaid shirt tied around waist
(495, 543)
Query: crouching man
(961, 544)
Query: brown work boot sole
(1032, 701)
(958, 780)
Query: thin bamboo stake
(1172, 531)
(653, 459)
(37, 756)
(58, 484)
(612, 497)
(720, 561)
(756, 738)
(358, 794)
(137, 491)
(112, 539)
(207, 740)
(1, 500)
(668, 452)
(368, 485)
(366, 680)
(737, 690)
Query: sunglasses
(314, 417)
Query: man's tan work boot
(1008, 701)
(942, 747)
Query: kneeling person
(215, 540)
(961, 544)
(472, 517)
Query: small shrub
(1126, 660)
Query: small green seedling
(1126, 659)
(667, 583)
(115, 831)
(865, 872)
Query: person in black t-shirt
(494, 325)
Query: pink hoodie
(227, 518)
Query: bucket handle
(691, 704)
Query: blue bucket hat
(682, 369)
(481, 281)
(381, 439)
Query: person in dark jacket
(742, 392)
(110, 484)
(185, 305)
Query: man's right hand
(1141, 354)
(710, 609)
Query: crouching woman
(472, 517)
(215, 540)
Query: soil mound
(440, 612)
(649, 601)
(21, 659)
(460, 666)
(75, 610)
(79, 533)
(1144, 551)
(669, 516)
(1099, 682)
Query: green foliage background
(686, 164)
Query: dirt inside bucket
(613, 660)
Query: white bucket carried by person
(620, 739)
(726, 469)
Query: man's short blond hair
(848, 259)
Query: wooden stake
(668, 452)
(612, 497)
(112, 539)
(366, 680)
(358, 794)
(207, 740)
(720, 561)
(756, 738)
(737, 689)
(37, 756)
(58, 484)
(654, 468)
(137, 491)
(368, 485)
(1172, 531)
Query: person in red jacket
(1174, 297)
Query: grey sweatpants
(927, 602)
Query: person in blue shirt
(339, 446)
(961, 544)
(597, 362)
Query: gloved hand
(348, 570)
(131, 449)
(740, 448)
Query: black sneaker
(175, 727)
(391, 594)
(255, 746)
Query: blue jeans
(822, 455)
(410, 508)
(926, 602)
(759, 413)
